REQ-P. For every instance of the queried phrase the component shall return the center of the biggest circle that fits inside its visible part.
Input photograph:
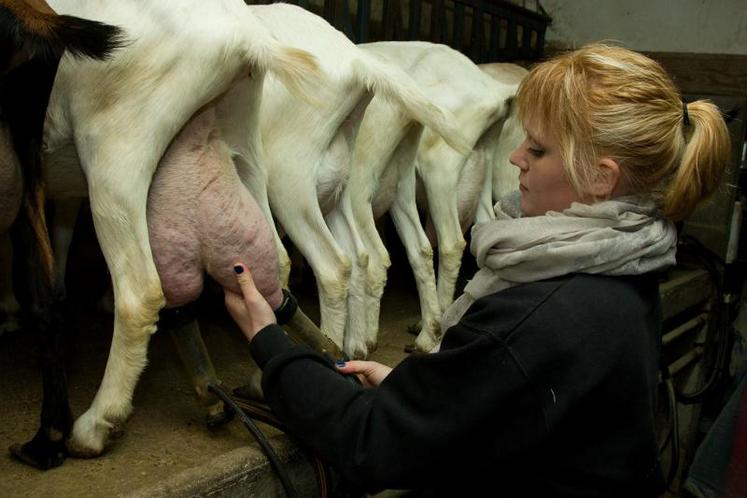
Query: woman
(546, 381)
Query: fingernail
(238, 269)
(339, 363)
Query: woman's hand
(250, 310)
(370, 373)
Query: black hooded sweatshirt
(543, 389)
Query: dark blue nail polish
(340, 363)
(238, 269)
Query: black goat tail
(45, 35)
(86, 38)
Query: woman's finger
(246, 282)
(351, 366)
(359, 367)
(372, 371)
(234, 302)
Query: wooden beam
(716, 74)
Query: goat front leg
(184, 330)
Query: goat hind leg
(354, 339)
(300, 215)
(41, 301)
(112, 404)
(420, 255)
(118, 205)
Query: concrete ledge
(243, 472)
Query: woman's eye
(536, 152)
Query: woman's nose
(517, 158)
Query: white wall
(698, 26)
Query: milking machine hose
(290, 491)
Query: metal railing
(485, 31)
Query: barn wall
(702, 43)
(696, 26)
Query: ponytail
(706, 153)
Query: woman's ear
(607, 179)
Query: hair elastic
(685, 115)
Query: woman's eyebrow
(532, 138)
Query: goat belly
(201, 219)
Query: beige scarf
(625, 236)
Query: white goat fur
(383, 179)
(505, 176)
(113, 120)
(486, 177)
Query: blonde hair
(605, 101)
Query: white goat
(113, 121)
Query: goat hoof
(359, 354)
(88, 437)
(426, 343)
(79, 451)
(371, 346)
(40, 452)
(414, 329)
(218, 415)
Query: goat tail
(297, 69)
(86, 38)
(34, 208)
(42, 33)
(396, 86)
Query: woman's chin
(526, 207)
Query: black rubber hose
(260, 412)
(290, 491)
(720, 318)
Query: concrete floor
(166, 447)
